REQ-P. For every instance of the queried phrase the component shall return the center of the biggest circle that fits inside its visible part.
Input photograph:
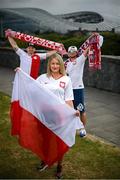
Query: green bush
(111, 45)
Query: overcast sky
(67, 6)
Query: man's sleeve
(69, 91)
(42, 56)
(20, 52)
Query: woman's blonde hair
(60, 60)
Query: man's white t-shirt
(75, 71)
(26, 60)
(61, 87)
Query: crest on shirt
(62, 84)
(35, 57)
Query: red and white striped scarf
(37, 41)
(94, 56)
(93, 42)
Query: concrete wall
(8, 58)
(108, 78)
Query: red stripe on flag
(36, 137)
(15, 115)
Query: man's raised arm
(10, 35)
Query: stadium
(35, 20)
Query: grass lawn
(87, 159)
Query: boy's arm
(85, 53)
(49, 53)
(13, 43)
(10, 35)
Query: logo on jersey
(62, 84)
(35, 57)
(80, 107)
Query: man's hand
(95, 34)
(17, 69)
(9, 33)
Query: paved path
(103, 109)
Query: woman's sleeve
(40, 79)
(69, 90)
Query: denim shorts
(79, 99)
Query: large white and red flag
(42, 123)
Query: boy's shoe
(42, 166)
(59, 172)
(82, 133)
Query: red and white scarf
(37, 41)
(94, 56)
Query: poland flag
(42, 124)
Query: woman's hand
(17, 69)
(77, 113)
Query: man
(74, 68)
(29, 61)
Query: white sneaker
(82, 133)
(43, 168)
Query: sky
(67, 6)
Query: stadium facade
(37, 20)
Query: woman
(60, 84)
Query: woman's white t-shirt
(61, 87)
